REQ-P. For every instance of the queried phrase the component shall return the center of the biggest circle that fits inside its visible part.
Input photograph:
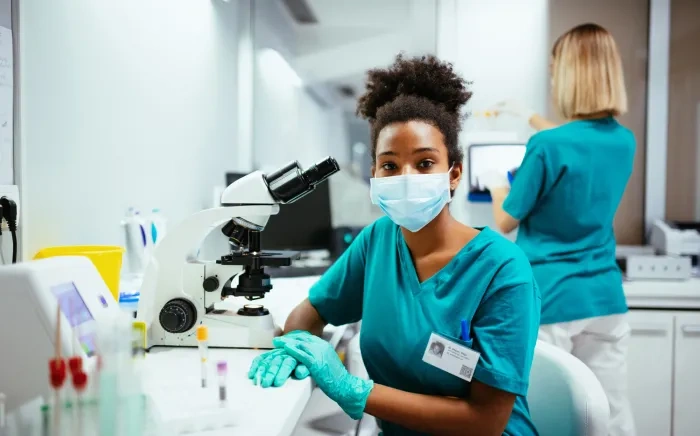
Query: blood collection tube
(79, 384)
(202, 338)
(221, 369)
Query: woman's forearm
(439, 416)
(538, 122)
(305, 317)
(504, 221)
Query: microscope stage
(265, 258)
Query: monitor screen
(302, 225)
(484, 158)
(76, 311)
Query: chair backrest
(565, 397)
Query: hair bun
(423, 77)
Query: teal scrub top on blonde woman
(489, 283)
(565, 194)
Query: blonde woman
(564, 197)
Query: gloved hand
(493, 180)
(273, 368)
(328, 371)
(513, 107)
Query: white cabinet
(664, 372)
(686, 413)
(650, 371)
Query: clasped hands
(301, 354)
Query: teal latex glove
(273, 368)
(328, 371)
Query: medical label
(450, 356)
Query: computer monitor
(303, 225)
(232, 177)
(484, 158)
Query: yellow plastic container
(107, 260)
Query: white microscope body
(179, 290)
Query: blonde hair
(587, 77)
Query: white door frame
(657, 112)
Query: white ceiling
(343, 22)
(352, 36)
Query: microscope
(180, 291)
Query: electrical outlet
(12, 192)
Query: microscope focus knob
(211, 284)
(178, 316)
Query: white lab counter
(172, 376)
(661, 294)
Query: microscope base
(227, 329)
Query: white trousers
(601, 343)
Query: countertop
(663, 294)
(172, 378)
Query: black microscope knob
(178, 316)
(211, 284)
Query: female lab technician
(430, 291)
(564, 197)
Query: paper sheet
(182, 405)
(6, 107)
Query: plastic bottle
(158, 226)
(136, 241)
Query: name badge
(451, 357)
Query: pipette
(221, 369)
(202, 338)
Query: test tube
(79, 383)
(202, 338)
(221, 369)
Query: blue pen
(465, 330)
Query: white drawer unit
(664, 372)
(650, 371)
(686, 389)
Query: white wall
(289, 123)
(505, 55)
(6, 242)
(123, 103)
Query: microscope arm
(180, 246)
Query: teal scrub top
(489, 284)
(565, 195)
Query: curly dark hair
(420, 88)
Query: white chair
(565, 397)
(356, 366)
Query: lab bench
(257, 411)
(664, 356)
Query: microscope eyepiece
(290, 183)
(321, 171)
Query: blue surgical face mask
(412, 200)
